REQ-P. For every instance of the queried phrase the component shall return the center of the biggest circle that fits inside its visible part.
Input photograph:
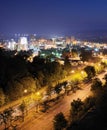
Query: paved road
(44, 121)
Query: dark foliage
(59, 121)
(90, 70)
(18, 74)
(96, 117)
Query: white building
(23, 44)
(11, 44)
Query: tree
(67, 65)
(17, 86)
(85, 55)
(76, 108)
(58, 88)
(59, 121)
(53, 71)
(40, 77)
(105, 51)
(96, 85)
(6, 116)
(28, 83)
(90, 70)
(22, 108)
(105, 77)
(15, 90)
(89, 103)
(74, 53)
(49, 89)
(2, 97)
(104, 64)
(38, 63)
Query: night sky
(52, 17)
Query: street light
(82, 72)
(72, 71)
(99, 64)
(25, 91)
(38, 93)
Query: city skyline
(52, 17)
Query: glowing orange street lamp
(38, 93)
(72, 71)
(25, 91)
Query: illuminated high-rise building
(23, 43)
(11, 44)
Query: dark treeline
(92, 113)
(18, 74)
